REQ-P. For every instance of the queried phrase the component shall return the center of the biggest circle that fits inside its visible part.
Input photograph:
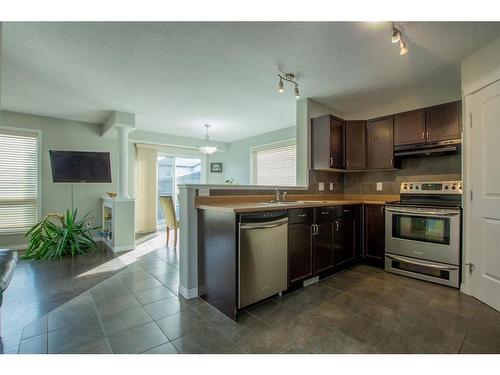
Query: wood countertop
(237, 204)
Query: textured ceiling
(177, 76)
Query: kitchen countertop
(265, 206)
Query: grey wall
(237, 157)
(65, 135)
(437, 168)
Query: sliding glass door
(174, 171)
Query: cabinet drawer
(324, 214)
(347, 212)
(300, 215)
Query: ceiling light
(206, 149)
(289, 77)
(403, 49)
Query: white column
(123, 156)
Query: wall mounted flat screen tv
(80, 166)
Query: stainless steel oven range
(423, 232)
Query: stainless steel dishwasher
(262, 255)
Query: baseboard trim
(188, 293)
(145, 238)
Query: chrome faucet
(277, 196)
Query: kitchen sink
(287, 203)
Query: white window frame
(38, 132)
(267, 146)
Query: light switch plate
(204, 192)
(331, 185)
(321, 186)
(379, 186)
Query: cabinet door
(444, 122)
(344, 242)
(409, 127)
(374, 249)
(300, 265)
(323, 247)
(355, 145)
(380, 143)
(336, 143)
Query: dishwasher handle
(265, 225)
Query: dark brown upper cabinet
(381, 143)
(409, 127)
(327, 146)
(355, 145)
(444, 122)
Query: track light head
(280, 86)
(403, 49)
(297, 93)
(395, 35)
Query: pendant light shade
(206, 149)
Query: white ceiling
(177, 76)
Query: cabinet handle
(312, 230)
(423, 135)
(331, 161)
(427, 136)
(392, 162)
(302, 215)
(336, 226)
(324, 212)
(346, 210)
(347, 163)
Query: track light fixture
(397, 36)
(289, 77)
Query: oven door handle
(436, 266)
(419, 212)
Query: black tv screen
(80, 166)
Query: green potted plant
(59, 235)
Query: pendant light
(206, 149)
(288, 77)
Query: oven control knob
(453, 187)
(446, 187)
(416, 187)
(411, 186)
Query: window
(275, 164)
(18, 180)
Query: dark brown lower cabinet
(323, 247)
(344, 241)
(300, 254)
(374, 222)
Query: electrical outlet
(379, 186)
(321, 186)
(331, 185)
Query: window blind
(275, 166)
(18, 180)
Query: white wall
(419, 98)
(481, 68)
(237, 158)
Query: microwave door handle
(436, 266)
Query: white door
(482, 205)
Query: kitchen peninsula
(304, 239)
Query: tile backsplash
(437, 168)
